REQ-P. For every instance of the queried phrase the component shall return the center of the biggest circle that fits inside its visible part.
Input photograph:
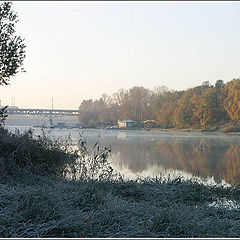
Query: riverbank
(192, 130)
(36, 199)
(233, 127)
(49, 207)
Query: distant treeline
(202, 106)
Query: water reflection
(207, 156)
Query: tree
(86, 105)
(208, 108)
(160, 90)
(183, 113)
(164, 108)
(231, 102)
(138, 104)
(206, 84)
(12, 46)
(219, 84)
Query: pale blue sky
(80, 50)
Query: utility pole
(51, 119)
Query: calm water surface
(211, 157)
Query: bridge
(46, 112)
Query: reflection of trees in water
(204, 158)
(134, 154)
(201, 157)
(197, 156)
(231, 172)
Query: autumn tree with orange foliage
(231, 101)
(202, 106)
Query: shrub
(22, 154)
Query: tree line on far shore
(202, 106)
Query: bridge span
(46, 112)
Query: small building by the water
(126, 123)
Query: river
(211, 157)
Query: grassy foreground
(37, 201)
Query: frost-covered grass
(46, 205)
(49, 207)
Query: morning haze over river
(119, 120)
(211, 157)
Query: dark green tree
(12, 46)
